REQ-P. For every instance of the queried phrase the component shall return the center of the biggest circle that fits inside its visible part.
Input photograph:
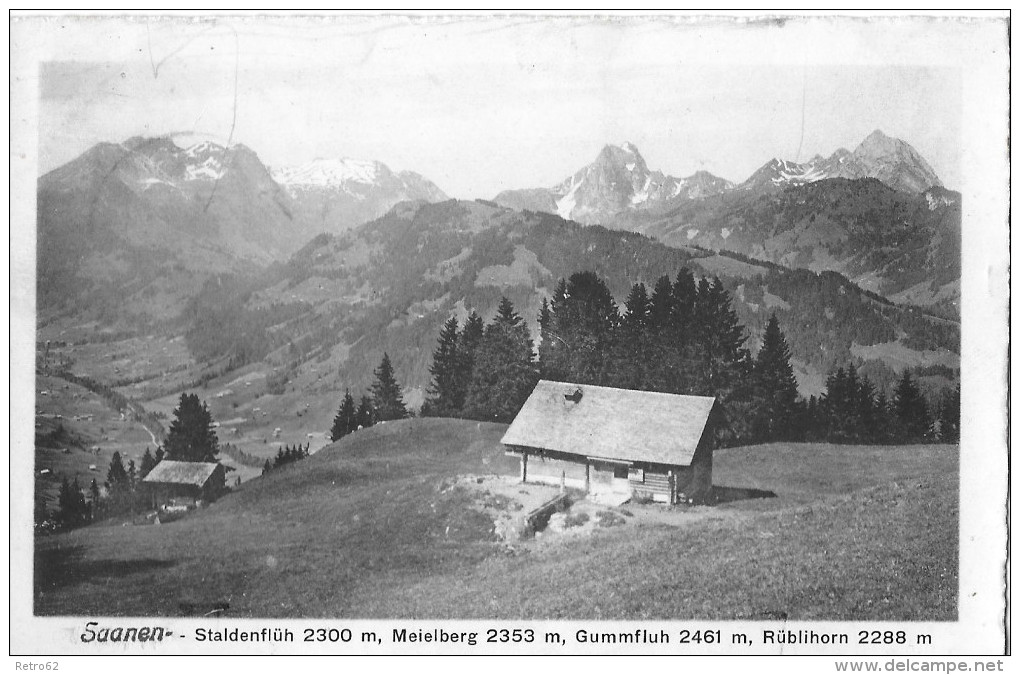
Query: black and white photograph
(617, 334)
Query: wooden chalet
(184, 482)
(618, 441)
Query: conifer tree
(660, 304)
(346, 420)
(65, 514)
(775, 386)
(846, 404)
(94, 493)
(684, 295)
(80, 504)
(635, 318)
(40, 513)
(720, 365)
(72, 509)
(866, 413)
(883, 426)
(192, 437)
(911, 410)
(555, 350)
(148, 464)
(160, 454)
(116, 475)
(504, 373)
(467, 344)
(366, 414)
(445, 397)
(949, 416)
(546, 347)
(631, 356)
(585, 320)
(387, 398)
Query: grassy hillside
(370, 527)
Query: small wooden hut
(618, 441)
(184, 482)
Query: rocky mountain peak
(626, 157)
(894, 162)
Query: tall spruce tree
(445, 397)
(387, 397)
(775, 386)
(545, 336)
(192, 437)
(554, 362)
(467, 344)
(148, 464)
(504, 373)
(666, 358)
(94, 493)
(72, 509)
(848, 406)
(720, 365)
(949, 416)
(366, 414)
(632, 347)
(660, 306)
(911, 410)
(684, 295)
(883, 425)
(585, 320)
(866, 412)
(346, 419)
(116, 475)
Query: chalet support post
(563, 481)
(524, 467)
(587, 477)
(672, 488)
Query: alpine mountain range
(857, 252)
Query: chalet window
(619, 471)
(637, 475)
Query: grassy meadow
(371, 527)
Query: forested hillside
(905, 246)
(391, 284)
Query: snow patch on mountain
(210, 169)
(330, 173)
(937, 201)
(203, 148)
(565, 205)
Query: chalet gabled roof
(181, 473)
(607, 423)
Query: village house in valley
(615, 442)
(184, 482)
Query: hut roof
(181, 473)
(609, 423)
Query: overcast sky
(480, 106)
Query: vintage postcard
(380, 334)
